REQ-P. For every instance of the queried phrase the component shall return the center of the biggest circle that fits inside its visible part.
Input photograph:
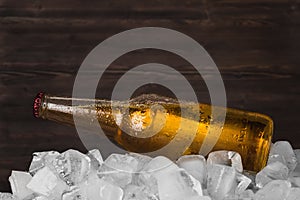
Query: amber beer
(245, 132)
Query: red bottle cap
(37, 103)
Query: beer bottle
(247, 133)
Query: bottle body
(244, 132)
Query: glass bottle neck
(62, 109)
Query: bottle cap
(37, 104)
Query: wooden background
(42, 44)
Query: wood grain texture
(42, 44)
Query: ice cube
(96, 158)
(274, 190)
(73, 194)
(118, 169)
(43, 182)
(251, 175)
(110, 192)
(93, 189)
(122, 162)
(246, 195)
(152, 170)
(229, 158)
(142, 160)
(177, 185)
(221, 181)
(159, 164)
(41, 198)
(18, 181)
(7, 196)
(58, 190)
(194, 165)
(205, 192)
(273, 171)
(296, 172)
(294, 194)
(231, 197)
(72, 166)
(200, 198)
(134, 192)
(295, 181)
(40, 159)
(147, 175)
(146, 180)
(242, 183)
(283, 152)
(90, 188)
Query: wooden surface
(42, 44)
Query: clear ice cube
(205, 192)
(90, 189)
(7, 196)
(294, 194)
(41, 198)
(200, 198)
(194, 165)
(295, 181)
(243, 183)
(148, 181)
(18, 181)
(143, 160)
(178, 185)
(72, 166)
(93, 189)
(134, 192)
(251, 175)
(110, 192)
(58, 190)
(40, 159)
(43, 182)
(229, 158)
(159, 164)
(246, 195)
(73, 194)
(96, 158)
(283, 152)
(221, 181)
(274, 190)
(273, 171)
(149, 174)
(296, 171)
(119, 169)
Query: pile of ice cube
(72, 175)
